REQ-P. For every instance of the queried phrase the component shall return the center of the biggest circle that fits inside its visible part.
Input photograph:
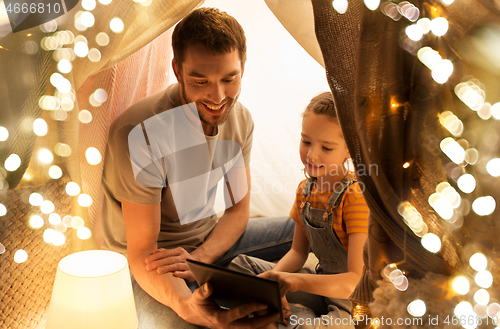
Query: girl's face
(322, 148)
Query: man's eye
(200, 82)
(307, 143)
(326, 149)
(228, 80)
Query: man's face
(212, 81)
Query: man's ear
(177, 70)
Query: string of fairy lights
(447, 201)
(66, 47)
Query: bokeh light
(116, 25)
(12, 163)
(93, 156)
(3, 210)
(40, 127)
(67, 221)
(482, 297)
(94, 55)
(45, 156)
(466, 183)
(484, 279)
(77, 222)
(58, 239)
(102, 39)
(63, 150)
(495, 110)
(20, 256)
(372, 4)
(89, 4)
(478, 262)
(340, 6)
(36, 222)
(493, 167)
(35, 199)
(87, 19)
(55, 172)
(442, 71)
(64, 66)
(48, 235)
(47, 207)
(471, 93)
(484, 206)
(55, 219)
(425, 24)
(414, 32)
(101, 95)
(431, 242)
(81, 49)
(453, 150)
(85, 200)
(417, 308)
(439, 26)
(461, 285)
(85, 116)
(83, 233)
(72, 189)
(4, 134)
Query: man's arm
(142, 224)
(228, 230)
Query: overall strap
(308, 187)
(339, 192)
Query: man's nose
(216, 93)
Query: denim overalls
(325, 244)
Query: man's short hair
(209, 27)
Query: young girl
(331, 219)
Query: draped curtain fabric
(388, 107)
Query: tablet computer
(231, 288)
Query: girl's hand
(286, 280)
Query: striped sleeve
(295, 211)
(355, 210)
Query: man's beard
(228, 101)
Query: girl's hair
(322, 104)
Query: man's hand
(200, 309)
(170, 260)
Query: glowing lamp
(92, 290)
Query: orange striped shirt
(351, 215)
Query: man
(154, 152)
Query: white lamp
(92, 290)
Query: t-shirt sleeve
(355, 210)
(247, 145)
(124, 183)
